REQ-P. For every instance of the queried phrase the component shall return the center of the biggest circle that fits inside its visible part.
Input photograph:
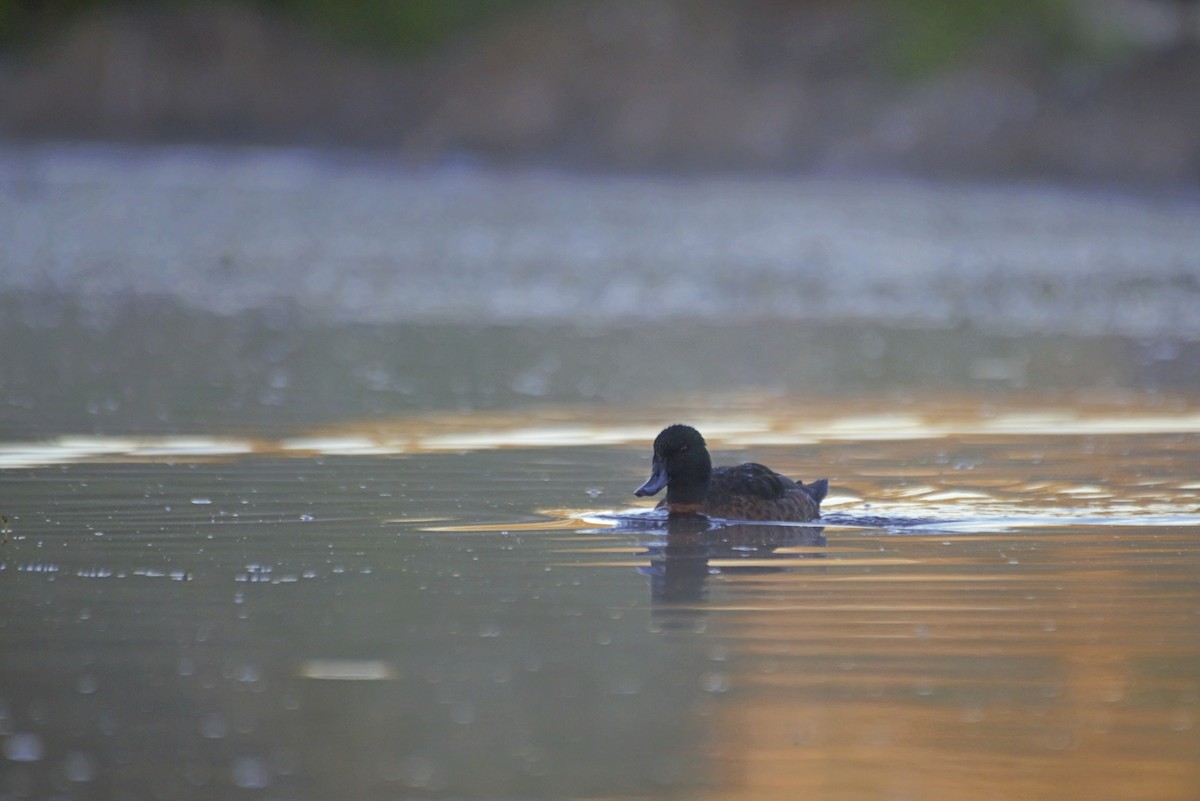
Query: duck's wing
(759, 481)
(750, 479)
(753, 492)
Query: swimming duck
(749, 491)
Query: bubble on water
(87, 684)
(489, 630)
(626, 684)
(23, 747)
(594, 492)
(418, 770)
(1056, 740)
(250, 773)
(213, 726)
(285, 761)
(290, 700)
(463, 713)
(201, 501)
(714, 682)
(306, 518)
(248, 673)
(79, 767)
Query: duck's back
(752, 491)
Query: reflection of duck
(747, 492)
(679, 568)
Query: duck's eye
(683, 448)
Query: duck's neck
(690, 487)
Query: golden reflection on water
(1069, 673)
(723, 420)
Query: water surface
(1004, 603)
(316, 478)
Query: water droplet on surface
(213, 726)
(418, 770)
(627, 684)
(250, 773)
(79, 767)
(463, 713)
(23, 747)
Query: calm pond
(1004, 602)
(253, 553)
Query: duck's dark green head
(681, 464)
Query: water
(257, 545)
(1002, 602)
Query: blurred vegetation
(400, 27)
(403, 27)
(931, 34)
(937, 33)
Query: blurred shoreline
(660, 86)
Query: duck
(749, 491)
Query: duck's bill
(657, 480)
